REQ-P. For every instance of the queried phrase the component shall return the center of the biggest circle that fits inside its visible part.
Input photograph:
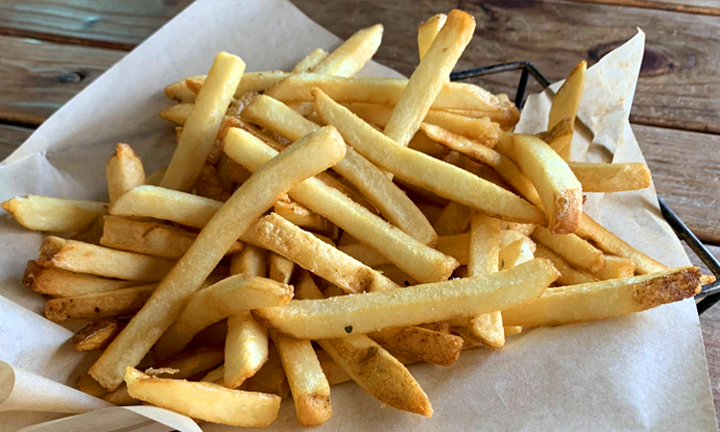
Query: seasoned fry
(61, 283)
(559, 190)
(430, 346)
(370, 181)
(41, 213)
(308, 385)
(422, 170)
(427, 32)
(419, 261)
(568, 275)
(615, 177)
(150, 238)
(606, 299)
(178, 113)
(124, 171)
(204, 401)
(282, 237)
(454, 219)
(610, 243)
(565, 105)
(91, 307)
(616, 267)
(305, 158)
(353, 54)
(280, 268)
(203, 122)
(97, 334)
(572, 248)
(363, 313)
(81, 257)
(310, 61)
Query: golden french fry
(208, 185)
(512, 330)
(431, 211)
(370, 181)
(177, 113)
(87, 384)
(305, 158)
(124, 171)
(280, 268)
(150, 238)
(606, 299)
(614, 177)
(203, 122)
(41, 213)
(394, 274)
(215, 375)
(418, 260)
(432, 347)
(353, 54)
(155, 178)
(271, 376)
(367, 312)
(427, 32)
(616, 267)
(90, 307)
(180, 92)
(482, 131)
(524, 229)
(610, 243)
(565, 105)
(310, 61)
(422, 170)
(571, 248)
(204, 401)
(303, 217)
(81, 257)
(251, 261)
(91, 233)
(97, 334)
(308, 384)
(480, 153)
(62, 283)
(422, 143)
(280, 236)
(334, 373)
(454, 219)
(568, 275)
(516, 253)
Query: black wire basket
(710, 293)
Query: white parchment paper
(641, 372)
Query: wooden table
(50, 50)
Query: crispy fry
(516, 253)
(568, 275)
(454, 219)
(62, 283)
(305, 158)
(309, 62)
(81, 257)
(203, 122)
(616, 267)
(180, 92)
(427, 32)
(363, 313)
(524, 229)
(280, 268)
(204, 401)
(91, 307)
(606, 299)
(97, 334)
(572, 248)
(615, 177)
(610, 243)
(565, 105)
(124, 171)
(421, 262)
(177, 113)
(422, 170)
(303, 217)
(353, 54)
(432, 347)
(41, 213)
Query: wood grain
(710, 325)
(38, 77)
(706, 7)
(110, 24)
(11, 137)
(680, 77)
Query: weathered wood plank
(701, 7)
(681, 70)
(111, 24)
(710, 324)
(38, 77)
(11, 137)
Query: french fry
(367, 312)
(615, 177)
(516, 253)
(310, 61)
(124, 171)
(427, 32)
(616, 267)
(208, 185)
(372, 183)
(150, 238)
(308, 384)
(271, 376)
(353, 54)
(454, 219)
(565, 105)
(251, 261)
(305, 158)
(177, 113)
(423, 144)
(430, 346)
(41, 213)
(419, 261)
(422, 170)
(85, 258)
(394, 274)
(571, 248)
(155, 178)
(480, 153)
(91, 307)
(606, 299)
(97, 334)
(568, 275)
(62, 283)
(203, 122)
(610, 243)
(204, 401)
(180, 92)
(282, 237)
(280, 268)
(303, 217)
(524, 229)
(431, 211)
(483, 260)
(559, 190)
(91, 233)
(506, 114)
(230, 296)
(86, 384)
(215, 375)
(334, 373)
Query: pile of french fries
(245, 272)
